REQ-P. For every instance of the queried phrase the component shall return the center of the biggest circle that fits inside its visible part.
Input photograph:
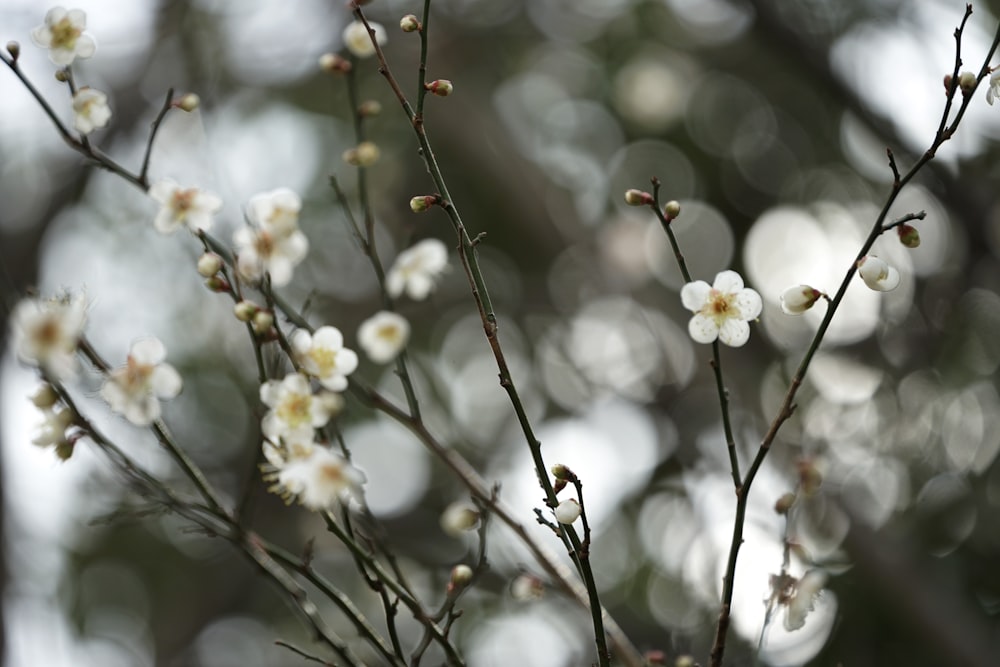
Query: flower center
(64, 34)
(387, 332)
(720, 306)
(264, 244)
(294, 410)
(184, 201)
(283, 220)
(325, 360)
(47, 334)
(136, 376)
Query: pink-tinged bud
(877, 274)
(365, 154)
(671, 209)
(209, 264)
(908, 236)
(568, 511)
(440, 87)
(369, 108)
(263, 320)
(638, 198)
(409, 23)
(559, 486)
(810, 478)
(334, 64)
(461, 576)
(245, 310)
(967, 82)
(45, 397)
(14, 49)
(189, 102)
(798, 299)
(422, 203)
(947, 83)
(784, 503)
(559, 471)
(218, 284)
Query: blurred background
(767, 120)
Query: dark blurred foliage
(767, 120)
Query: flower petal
(734, 332)
(728, 282)
(703, 329)
(694, 295)
(749, 304)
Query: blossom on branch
(323, 355)
(803, 598)
(273, 243)
(721, 310)
(416, 269)
(798, 299)
(63, 35)
(383, 336)
(359, 42)
(993, 92)
(181, 207)
(877, 274)
(322, 480)
(46, 333)
(295, 411)
(135, 389)
(90, 110)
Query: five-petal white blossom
(416, 269)
(63, 34)
(993, 92)
(357, 40)
(295, 411)
(321, 480)
(323, 355)
(721, 310)
(273, 243)
(135, 389)
(183, 206)
(877, 274)
(90, 110)
(46, 333)
(383, 336)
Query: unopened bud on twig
(671, 209)
(458, 518)
(62, 76)
(209, 264)
(810, 478)
(369, 108)
(245, 310)
(784, 503)
(218, 284)
(638, 198)
(409, 23)
(967, 82)
(568, 511)
(461, 575)
(798, 299)
(440, 87)
(365, 154)
(189, 102)
(45, 397)
(908, 236)
(263, 320)
(331, 62)
(422, 203)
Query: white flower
(383, 335)
(273, 244)
(416, 269)
(135, 389)
(567, 511)
(722, 310)
(357, 40)
(63, 34)
(279, 454)
(798, 299)
(323, 355)
(90, 110)
(878, 275)
(459, 517)
(806, 591)
(993, 92)
(295, 411)
(46, 333)
(183, 206)
(52, 430)
(322, 480)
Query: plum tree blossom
(417, 269)
(90, 110)
(63, 35)
(568, 511)
(295, 412)
(802, 600)
(273, 243)
(798, 299)
(993, 92)
(383, 336)
(135, 389)
(323, 355)
(179, 207)
(877, 274)
(321, 480)
(357, 40)
(721, 310)
(46, 333)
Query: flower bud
(218, 284)
(365, 154)
(440, 87)
(422, 203)
(245, 310)
(409, 23)
(334, 64)
(461, 576)
(638, 198)
(798, 299)
(784, 503)
(263, 320)
(458, 518)
(967, 82)
(45, 396)
(671, 209)
(560, 471)
(64, 448)
(684, 661)
(189, 102)
(947, 83)
(568, 511)
(369, 108)
(62, 76)
(908, 236)
(878, 275)
(558, 486)
(331, 401)
(810, 478)
(209, 264)
(14, 49)
(527, 587)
